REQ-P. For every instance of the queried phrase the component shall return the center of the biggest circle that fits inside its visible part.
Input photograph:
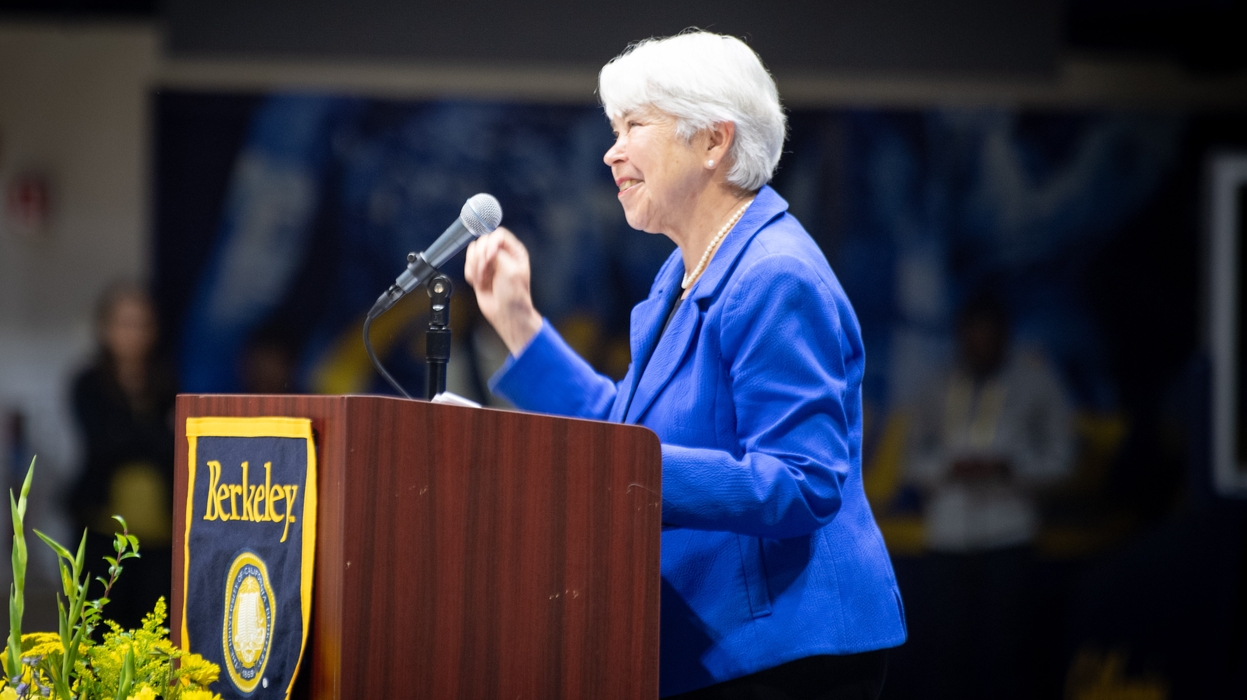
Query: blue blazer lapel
(647, 317)
(645, 324)
(666, 356)
(643, 331)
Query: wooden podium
(469, 553)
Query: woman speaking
(747, 363)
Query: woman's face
(657, 172)
(130, 330)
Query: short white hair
(703, 79)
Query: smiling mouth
(626, 185)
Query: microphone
(480, 215)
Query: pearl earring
(710, 163)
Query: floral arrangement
(70, 664)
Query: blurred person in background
(747, 363)
(986, 436)
(123, 407)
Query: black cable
(377, 363)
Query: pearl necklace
(691, 277)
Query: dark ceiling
(1019, 36)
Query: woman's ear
(718, 142)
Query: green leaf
(62, 620)
(134, 542)
(82, 553)
(75, 613)
(56, 547)
(17, 591)
(71, 655)
(12, 660)
(19, 561)
(125, 528)
(21, 502)
(17, 517)
(19, 569)
(127, 675)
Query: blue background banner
(287, 214)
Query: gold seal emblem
(248, 624)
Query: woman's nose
(614, 154)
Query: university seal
(248, 624)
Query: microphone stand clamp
(437, 338)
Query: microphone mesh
(481, 214)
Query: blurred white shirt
(1019, 416)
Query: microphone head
(481, 214)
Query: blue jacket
(769, 549)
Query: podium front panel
(472, 553)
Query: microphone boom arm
(418, 271)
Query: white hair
(703, 79)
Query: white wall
(73, 107)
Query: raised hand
(497, 268)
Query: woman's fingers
(497, 268)
(471, 262)
(497, 239)
(481, 258)
(512, 245)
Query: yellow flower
(41, 644)
(45, 649)
(199, 671)
(145, 693)
(194, 695)
(40, 637)
(8, 694)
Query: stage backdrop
(280, 218)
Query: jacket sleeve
(549, 377)
(788, 362)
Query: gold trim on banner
(269, 426)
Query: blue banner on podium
(250, 548)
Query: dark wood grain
(471, 553)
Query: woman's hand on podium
(497, 267)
